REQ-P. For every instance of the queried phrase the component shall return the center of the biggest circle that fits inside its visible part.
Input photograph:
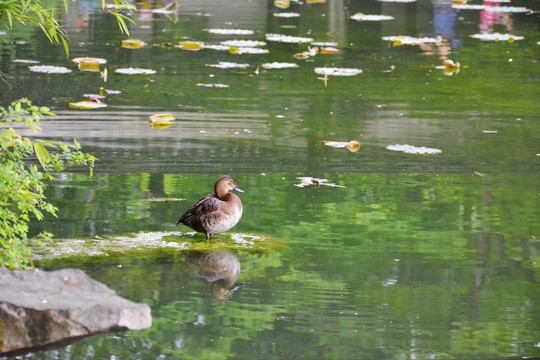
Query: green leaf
(43, 155)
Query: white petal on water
(287, 14)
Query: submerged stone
(40, 309)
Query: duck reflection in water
(221, 268)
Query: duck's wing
(206, 205)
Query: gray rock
(38, 308)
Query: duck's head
(224, 184)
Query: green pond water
(410, 257)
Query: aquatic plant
(22, 184)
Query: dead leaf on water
(88, 105)
(161, 121)
(352, 145)
(191, 45)
(133, 44)
(315, 182)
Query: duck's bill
(236, 188)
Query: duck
(217, 212)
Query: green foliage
(22, 184)
(34, 12)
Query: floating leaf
(329, 50)
(282, 4)
(104, 91)
(88, 63)
(25, 61)
(409, 40)
(409, 149)
(230, 31)
(450, 67)
(87, 105)
(500, 9)
(365, 17)
(135, 71)
(161, 119)
(279, 65)
(337, 71)
(247, 50)
(228, 65)
(191, 45)
(315, 182)
(213, 85)
(497, 37)
(319, 43)
(133, 44)
(243, 43)
(398, 1)
(94, 97)
(352, 145)
(287, 38)
(287, 14)
(49, 69)
(316, 1)
(217, 47)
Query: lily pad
(337, 71)
(217, 47)
(243, 43)
(287, 14)
(49, 69)
(282, 4)
(89, 63)
(161, 119)
(288, 38)
(279, 65)
(409, 40)
(247, 50)
(365, 17)
(87, 105)
(228, 65)
(230, 31)
(315, 182)
(133, 44)
(191, 45)
(410, 149)
(502, 9)
(497, 37)
(135, 71)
